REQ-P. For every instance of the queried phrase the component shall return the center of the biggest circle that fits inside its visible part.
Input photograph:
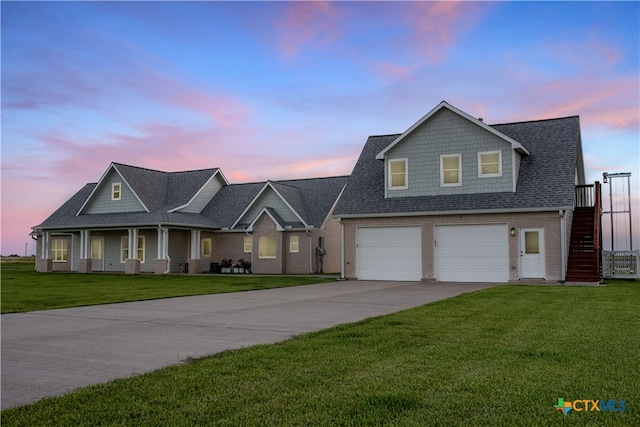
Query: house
(455, 199)
(141, 220)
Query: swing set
(621, 262)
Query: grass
(498, 357)
(25, 290)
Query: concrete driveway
(48, 353)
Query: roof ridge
(537, 120)
(138, 167)
(166, 172)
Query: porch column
(132, 264)
(45, 263)
(162, 261)
(84, 264)
(195, 263)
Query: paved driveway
(48, 353)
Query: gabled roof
(311, 199)
(158, 193)
(546, 177)
(277, 219)
(289, 191)
(65, 216)
(444, 105)
(157, 189)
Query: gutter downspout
(341, 249)
(310, 252)
(563, 245)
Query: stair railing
(597, 229)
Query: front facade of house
(450, 199)
(454, 199)
(137, 220)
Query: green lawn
(25, 290)
(501, 357)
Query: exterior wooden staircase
(585, 248)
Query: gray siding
(101, 201)
(112, 243)
(447, 133)
(270, 199)
(204, 197)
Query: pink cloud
(393, 71)
(304, 22)
(436, 24)
(605, 102)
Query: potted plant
(240, 265)
(226, 265)
(247, 266)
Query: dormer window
(450, 175)
(489, 164)
(398, 174)
(116, 191)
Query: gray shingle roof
(311, 198)
(546, 177)
(163, 191)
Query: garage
(389, 253)
(472, 253)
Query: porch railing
(586, 195)
(621, 264)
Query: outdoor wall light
(513, 231)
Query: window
(398, 174)
(59, 250)
(205, 248)
(116, 191)
(267, 247)
(124, 248)
(294, 244)
(489, 164)
(450, 170)
(248, 244)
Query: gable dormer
(112, 194)
(450, 152)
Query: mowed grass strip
(25, 290)
(497, 357)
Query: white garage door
(472, 253)
(389, 253)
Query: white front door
(97, 253)
(532, 265)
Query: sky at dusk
(276, 90)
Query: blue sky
(292, 89)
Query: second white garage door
(472, 253)
(389, 253)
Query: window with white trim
(267, 247)
(59, 249)
(398, 176)
(124, 248)
(116, 191)
(248, 244)
(489, 164)
(205, 247)
(294, 244)
(450, 170)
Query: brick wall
(549, 221)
